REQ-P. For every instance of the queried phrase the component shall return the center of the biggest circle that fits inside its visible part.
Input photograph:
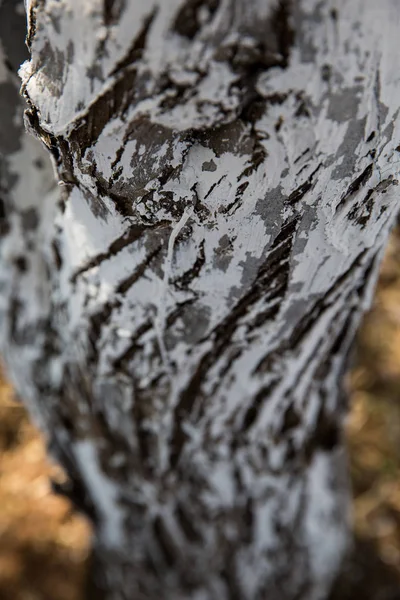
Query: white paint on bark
(100, 487)
(226, 194)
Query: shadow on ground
(366, 577)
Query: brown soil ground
(44, 545)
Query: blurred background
(45, 545)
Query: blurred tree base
(44, 545)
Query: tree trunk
(178, 311)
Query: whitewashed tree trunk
(178, 311)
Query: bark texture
(179, 309)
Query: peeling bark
(180, 308)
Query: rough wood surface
(227, 176)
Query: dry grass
(374, 426)
(373, 572)
(44, 545)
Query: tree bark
(227, 179)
